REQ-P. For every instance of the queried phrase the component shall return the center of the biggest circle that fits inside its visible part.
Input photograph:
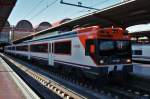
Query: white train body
(79, 49)
(141, 52)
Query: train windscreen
(114, 51)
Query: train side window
(63, 47)
(90, 47)
(13, 48)
(8, 48)
(137, 52)
(39, 48)
(22, 48)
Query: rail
(55, 87)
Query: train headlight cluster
(101, 61)
(128, 60)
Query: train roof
(123, 14)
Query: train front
(112, 50)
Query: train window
(62, 47)
(13, 48)
(123, 45)
(137, 52)
(22, 48)
(106, 46)
(39, 48)
(9, 48)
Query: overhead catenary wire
(42, 10)
(98, 3)
(47, 6)
(34, 8)
(77, 5)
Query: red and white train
(93, 50)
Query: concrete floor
(141, 69)
(8, 88)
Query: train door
(15, 50)
(50, 54)
(29, 52)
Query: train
(140, 53)
(92, 51)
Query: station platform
(12, 86)
(8, 88)
(141, 69)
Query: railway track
(123, 91)
(55, 87)
(129, 91)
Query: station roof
(125, 14)
(140, 33)
(6, 7)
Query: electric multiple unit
(94, 50)
(140, 52)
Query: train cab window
(123, 45)
(39, 48)
(62, 47)
(106, 45)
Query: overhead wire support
(77, 5)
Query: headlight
(101, 61)
(128, 60)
